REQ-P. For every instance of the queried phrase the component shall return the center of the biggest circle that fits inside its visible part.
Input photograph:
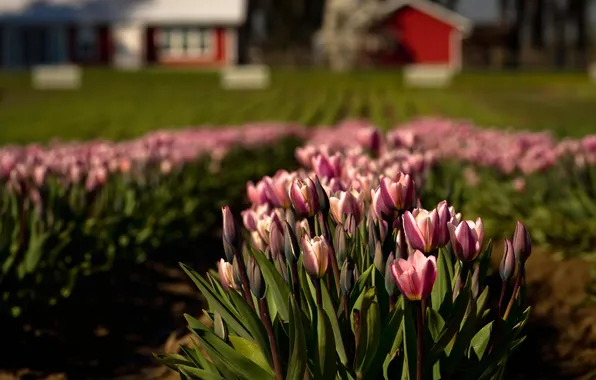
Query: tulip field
(339, 227)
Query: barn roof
(148, 11)
(432, 9)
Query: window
(184, 42)
(86, 43)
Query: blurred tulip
(315, 253)
(276, 240)
(421, 228)
(327, 166)
(467, 239)
(416, 276)
(393, 195)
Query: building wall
(217, 53)
(426, 39)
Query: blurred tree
(514, 40)
(538, 24)
(559, 15)
(579, 12)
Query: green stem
(420, 336)
(515, 291)
(317, 283)
(264, 313)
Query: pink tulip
(421, 228)
(393, 195)
(347, 209)
(315, 253)
(304, 198)
(416, 276)
(466, 239)
(327, 166)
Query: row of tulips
(347, 276)
(68, 210)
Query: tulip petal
(413, 234)
(428, 277)
(418, 261)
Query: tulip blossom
(304, 198)
(226, 274)
(315, 253)
(421, 228)
(466, 239)
(394, 195)
(347, 209)
(416, 276)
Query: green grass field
(119, 105)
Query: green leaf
(481, 302)
(297, 362)
(331, 314)
(215, 303)
(172, 360)
(251, 351)
(254, 325)
(452, 324)
(480, 341)
(275, 284)
(516, 343)
(435, 323)
(441, 296)
(361, 285)
(199, 374)
(326, 346)
(388, 336)
(230, 359)
(369, 342)
(462, 341)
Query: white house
(120, 32)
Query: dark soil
(112, 325)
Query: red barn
(194, 33)
(420, 32)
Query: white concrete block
(592, 72)
(129, 46)
(430, 76)
(64, 76)
(245, 77)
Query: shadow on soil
(110, 327)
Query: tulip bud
(280, 265)
(291, 246)
(372, 236)
(467, 239)
(444, 218)
(322, 196)
(400, 244)
(507, 266)
(347, 280)
(231, 238)
(219, 327)
(236, 274)
(315, 253)
(379, 260)
(522, 243)
(390, 284)
(255, 278)
(304, 198)
(276, 240)
(339, 242)
(226, 274)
